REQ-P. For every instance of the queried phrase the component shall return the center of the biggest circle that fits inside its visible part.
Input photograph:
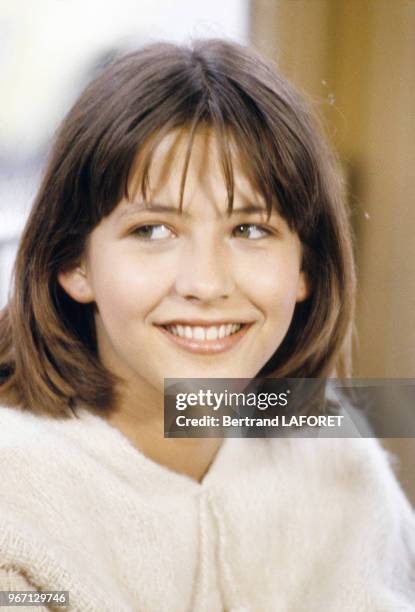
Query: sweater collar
(111, 446)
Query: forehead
(165, 162)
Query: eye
(156, 231)
(252, 231)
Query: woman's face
(148, 268)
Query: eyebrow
(248, 209)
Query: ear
(76, 284)
(304, 287)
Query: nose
(205, 271)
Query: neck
(140, 418)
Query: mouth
(205, 339)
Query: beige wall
(356, 60)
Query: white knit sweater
(293, 525)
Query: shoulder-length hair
(48, 347)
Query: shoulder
(49, 476)
(337, 507)
(351, 463)
(347, 481)
(25, 435)
(40, 457)
(349, 484)
(44, 444)
(15, 421)
(23, 429)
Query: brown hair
(48, 352)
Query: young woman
(190, 224)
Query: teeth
(212, 333)
(198, 333)
(204, 333)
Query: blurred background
(353, 59)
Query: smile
(206, 339)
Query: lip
(207, 347)
(201, 323)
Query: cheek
(124, 286)
(273, 282)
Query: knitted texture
(276, 525)
(11, 580)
